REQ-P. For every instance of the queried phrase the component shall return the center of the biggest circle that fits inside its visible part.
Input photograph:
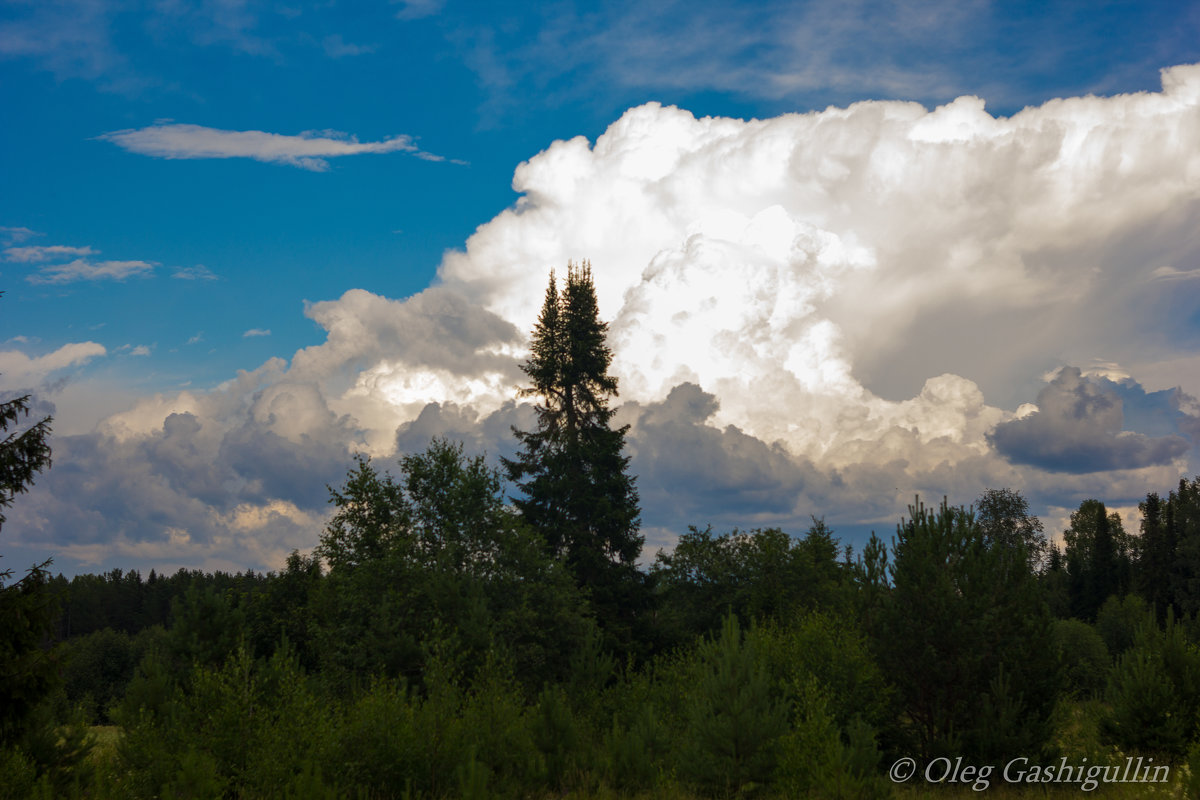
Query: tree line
(469, 631)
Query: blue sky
(192, 188)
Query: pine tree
(577, 490)
(733, 721)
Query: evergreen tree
(22, 455)
(1157, 556)
(577, 490)
(27, 609)
(1097, 556)
(1183, 538)
(733, 719)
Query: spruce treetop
(576, 488)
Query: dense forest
(463, 630)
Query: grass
(105, 738)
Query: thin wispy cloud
(793, 55)
(256, 332)
(309, 150)
(196, 273)
(418, 9)
(30, 255)
(71, 39)
(84, 270)
(336, 47)
(1173, 274)
(16, 235)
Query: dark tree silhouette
(27, 609)
(576, 488)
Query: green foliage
(557, 736)
(20, 774)
(372, 520)
(28, 669)
(1004, 520)
(27, 607)
(378, 746)
(1190, 779)
(1180, 521)
(1154, 692)
(1119, 620)
(394, 742)
(244, 727)
(817, 757)
(151, 690)
(830, 650)
(455, 570)
(822, 665)
(50, 753)
(452, 656)
(96, 668)
(22, 454)
(960, 614)
(282, 609)
(636, 750)
(733, 718)
(1159, 554)
(1085, 658)
(206, 627)
(760, 575)
(870, 575)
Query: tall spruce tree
(577, 490)
(27, 608)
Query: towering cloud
(820, 312)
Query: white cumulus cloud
(18, 369)
(815, 313)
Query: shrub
(1154, 692)
(817, 759)
(1084, 656)
(1118, 622)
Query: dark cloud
(272, 467)
(489, 435)
(1078, 429)
(689, 471)
(114, 489)
(246, 493)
